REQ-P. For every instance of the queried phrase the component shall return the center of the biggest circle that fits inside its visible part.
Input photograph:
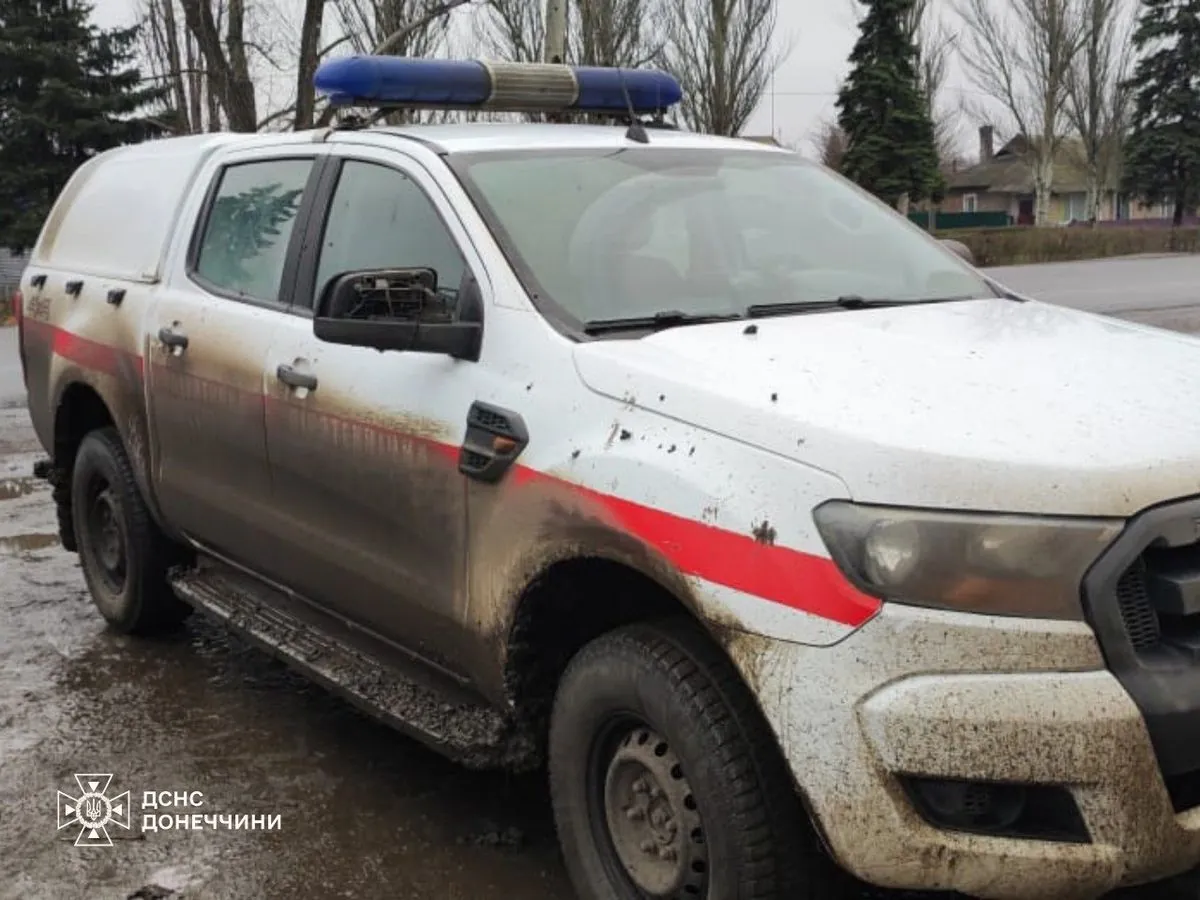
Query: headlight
(996, 564)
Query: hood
(983, 405)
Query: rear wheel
(125, 557)
(666, 782)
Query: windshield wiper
(660, 320)
(846, 301)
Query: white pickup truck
(674, 463)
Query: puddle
(12, 488)
(24, 543)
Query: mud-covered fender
(725, 527)
(120, 389)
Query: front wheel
(666, 782)
(124, 556)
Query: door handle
(173, 340)
(294, 378)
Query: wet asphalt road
(364, 813)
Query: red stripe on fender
(85, 353)
(800, 581)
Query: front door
(364, 445)
(209, 335)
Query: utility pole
(555, 50)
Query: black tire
(124, 555)
(667, 691)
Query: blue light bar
(403, 82)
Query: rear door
(209, 336)
(364, 445)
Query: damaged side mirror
(401, 309)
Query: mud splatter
(764, 532)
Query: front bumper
(951, 696)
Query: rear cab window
(246, 229)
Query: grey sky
(819, 33)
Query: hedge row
(1019, 246)
(6, 308)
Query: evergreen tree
(891, 148)
(1162, 154)
(68, 90)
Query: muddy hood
(988, 404)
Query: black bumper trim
(1163, 680)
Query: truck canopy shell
(116, 216)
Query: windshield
(614, 234)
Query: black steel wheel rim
(106, 535)
(643, 814)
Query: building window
(970, 203)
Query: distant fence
(954, 221)
(11, 267)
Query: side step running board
(470, 733)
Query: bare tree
(1098, 96)
(225, 58)
(722, 54)
(171, 57)
(831, 143)
(513, 30)
(1020, 53)
(390, 27)
(617, 32)
(306, 63)
(599, 32)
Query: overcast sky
(819, 33)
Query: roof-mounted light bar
(407, 83)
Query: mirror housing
(400, 309)
(959, 249)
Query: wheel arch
(572, 600)
(80, 407)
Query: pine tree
(1162, 154)
(68, 90)
(891, 149)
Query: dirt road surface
(363, 812)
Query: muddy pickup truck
(786, 541)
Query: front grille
(1142, 599)
(1133, 597)
(1157, 596)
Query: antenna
(636, 131)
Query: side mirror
(960, 249)
(401, 309)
